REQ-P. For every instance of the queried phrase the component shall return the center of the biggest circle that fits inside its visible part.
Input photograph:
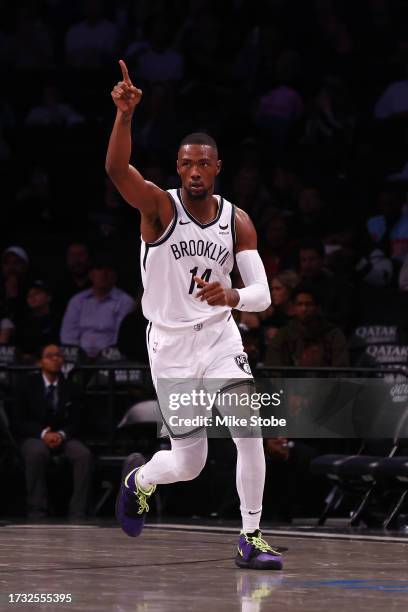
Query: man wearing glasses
(46, 420)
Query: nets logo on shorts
(242, 362)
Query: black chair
(361, 475)
(121, 377)
(330, 466)
(73, 357)
(392, 474)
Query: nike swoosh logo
(249, 512)
(128, 476)
(184, 222)
(224, 227)
(240, 552)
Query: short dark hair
(309, 290)
(38, 354)
(40, 284)
(200, 138)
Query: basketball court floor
(176, 567)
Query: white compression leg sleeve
(184, 461)
(250, 480)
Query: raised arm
(154, 204)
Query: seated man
(308, 340)
(46, 420)
(335, 295)
(93, 316)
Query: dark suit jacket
(31, 412)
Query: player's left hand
(215, 294)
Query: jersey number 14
(205, 276)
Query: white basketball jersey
(187, 248)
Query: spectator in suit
(46, 421)
(93, 316)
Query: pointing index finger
(125, 72)
(200, 282)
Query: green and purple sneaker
(255, 553)
(132, 501)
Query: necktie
(51, 397)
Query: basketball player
(190, 238)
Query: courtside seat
(360, 468)
(329, 465)
(362, 475)
(122, 376)
(73, 356)
(353, 475)
(392, 474)
(394, 469)
(143, 412)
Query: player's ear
(219, 165)
(177, 167)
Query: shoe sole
(258, 565)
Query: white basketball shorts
(212, 353)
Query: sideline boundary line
(278, 532)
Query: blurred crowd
(308, 101)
